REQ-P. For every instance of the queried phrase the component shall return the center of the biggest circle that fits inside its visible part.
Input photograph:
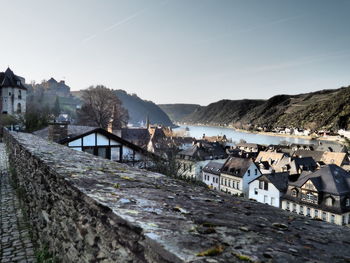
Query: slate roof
(203, 151)
(337, 158)
(9, 79)
(330, 179)
(328, 146)
(279, 180)
(131, 134)
(316, 155)
(236, 166)
(73, 130)
(248, 145)
(266, 156)
(213, 167)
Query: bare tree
(100, 106)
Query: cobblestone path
(15, 245)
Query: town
(163, 131)
(307, 179)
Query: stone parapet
(89, 209)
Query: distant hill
(328, 109)
(139, 109)
(177, 112)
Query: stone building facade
(323, 195)
(13, 93)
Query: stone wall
(89, 209)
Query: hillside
(177, 112)
(329, 109)
(139, 110)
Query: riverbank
(295, 138)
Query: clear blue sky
(172, 51)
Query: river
(236, 136)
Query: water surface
(236, 136)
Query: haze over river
(236, 136)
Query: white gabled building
(12, 93)
(269, 188)
(211, 174)
(236, 175)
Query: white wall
(212, 180)
(270, 196)
(248, 177)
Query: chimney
(57, 131)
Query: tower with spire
(13, 93)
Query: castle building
(12, 93)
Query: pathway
(15, 245)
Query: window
(237, 185)
(301, 210)
(261, 185)
(20, 94)
(324, 216)
(102, 152)
(115, 154)
(294, 208)
(222, 181)
(217, 180)
(329, 201)
(225, 182)
(233, 184)
(265, 199)
(308, 211)
(294, 193)
(272, 201)
(333, 219)
(255, 191)
(256, 171)
(266, 186)
(229, 183)
(347, 202)
(343, 220)
(288, 206)
(316, 213)
(248, 172)
(213, 179)
(19, 108)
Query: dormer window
(294, 193)
(329, 201)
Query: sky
(180, 51)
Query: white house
(268, 188)
(211, 174)
(12, 93)
(236, 175)
(107, 145)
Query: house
(99, 142)
(328, 146)
(13, 93)
(192, 160)
(338, 158)
(137, 136)
(322, 158)
(269, 188)
(236, 174)
(271, 157)
(250, 147)
(296, 165)
(323, 194)
(296, 147)
(211, 174)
